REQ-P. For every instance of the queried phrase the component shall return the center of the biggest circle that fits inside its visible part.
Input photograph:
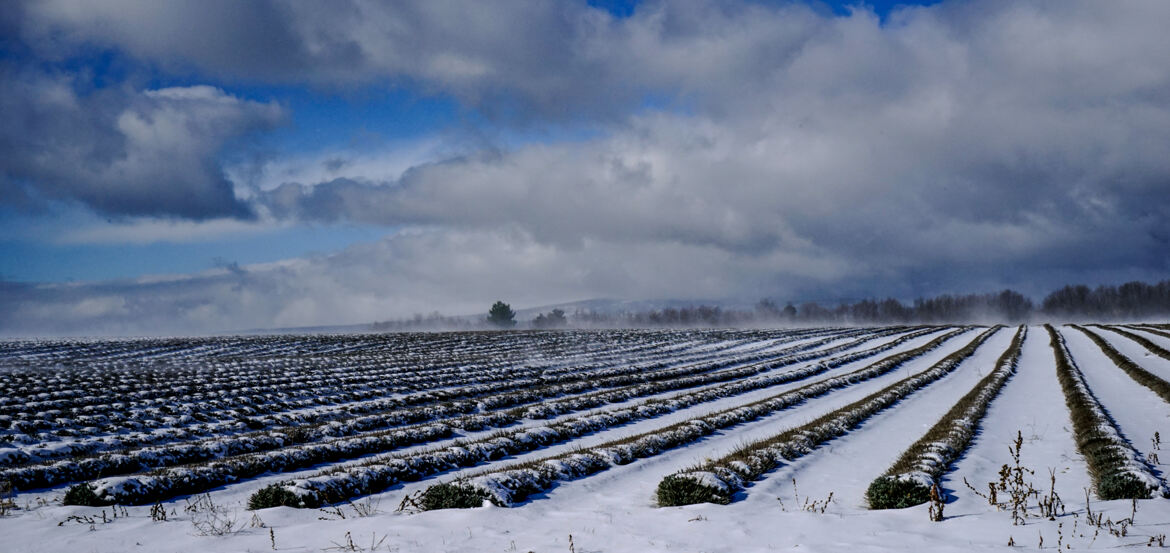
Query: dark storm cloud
(511, 59)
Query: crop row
(909, 481)
(394, 412)
(1145, 342)
(457, 415)
(1138, 374)
(305, 373)
(194, 408)
(1157, 330)
(187, 376)
(1118, 472)
(717, 481)
(507, 485)
(150, 487)
(550, 409)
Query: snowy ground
(614, 511)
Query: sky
(199, 167)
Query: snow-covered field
(353, 424)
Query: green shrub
(274, 495)
(674, 491)
(1123, 486)
(888, 492)
(299, 434)
(82, 494)
(452, 495)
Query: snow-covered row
(310, 427)
(909, 481)
(407, 358)
(380, 473)
(311, 375)
(1149, 344)
(1133, 370)
(150, 487)
(717, 481)
(1118, 471)
(550, 409)
(456, 415)
(1156, 330)
(507, 485)
(98, 385)
(509, 390)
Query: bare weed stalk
(210, 519)
(936, 504)
(7, 500)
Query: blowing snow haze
(184, 167)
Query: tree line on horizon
(1130, 301)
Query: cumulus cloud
(382, 163)
(512, 58)
(122, 152)
(941, 151)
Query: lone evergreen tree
(501, 315)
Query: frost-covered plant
(447, 495)
(273, 495)
(676, 490)
(82, 494)
(1123, 485)
(894, 492)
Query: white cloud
(121, 152)
(386, 162)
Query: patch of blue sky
(25, 260)
(356, 120)
(880, 7)
(626, 8)
(618, 8)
